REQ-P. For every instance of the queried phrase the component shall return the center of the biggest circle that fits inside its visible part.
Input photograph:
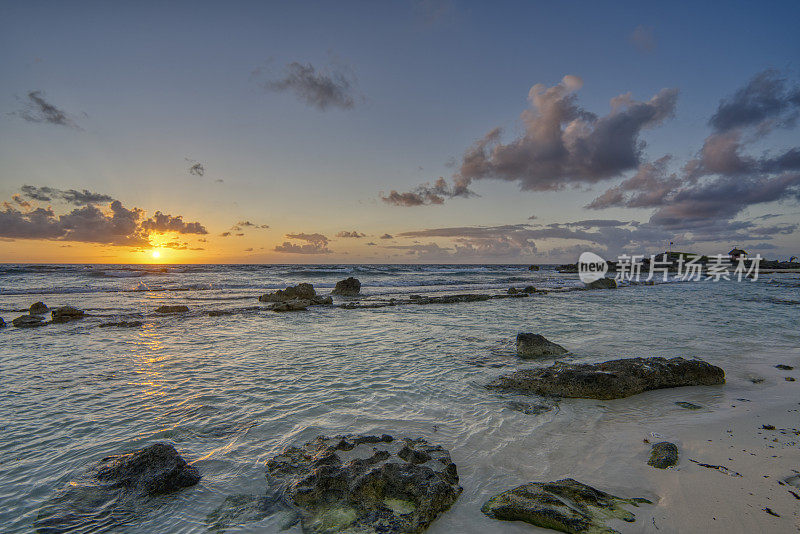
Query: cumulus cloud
(163, 223)
(71, 196)
(766, 100)
(425, 194)
(387, 236)
(323, 89)
(313, 244)
(38, 109)
(353, 234)
(643, 38)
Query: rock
(783, 367)
(663, 454)
(300, 291)
(2, 323)
(513, 291)
(536, 346)
(565, 505)
(219, 313)
(178, 308)
(236, 510)
(602, 283)
(614, 379)
(28, 321)
(122, 324)
(114, 490)
(349, 287)
(66, 313)
(291, 305)
(528, 408)
(325, 301)
(366, 484)
(533, 268)
(414, 297)
(689, 405)
(529, 289)
(789, 378)
(38, 308)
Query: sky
(434, 131)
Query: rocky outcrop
(366, 484)
(663, 455)
(350, 287)
(38, 308)
(122, 324)
(527, 289)
(291, 305)
(300, 291)
(565, 505)
(536, 346)
(28, 321)
(2, 323)
(611, 380)
(602, 283)
(114, 490)
(177, 308)
(65, 314)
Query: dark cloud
(387, 236)
(643, 38)
(651, 186)
(162, 223)
(71, 196)
(248, 224)
(249, 249)
(38, 109)
(371, 244)
(334, 87)
(767, 99)
(354, 234)
(314, 244)
(38, 223)
(532, 218)
(197, 169)
(424, 194)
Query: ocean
(232, 391)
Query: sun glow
(156, 254)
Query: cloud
(354, 234)
(249, 249)
(766, 100)
(651, 186)
(565, 145)
(197, 169)
(425, 194)
(248, 224)
(333, 87)
(38, 109)
(643, 38)
(71, 196)
(163, 223)
(532, 218)
(371, 244)
(314, 244)
(387, 236)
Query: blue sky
(151, 89)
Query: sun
(156, 254)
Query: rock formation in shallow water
(38, 308)
(66, 313)
(537, 346)
(565, 505)
(603, 283)
(178, 308)
(122, 324)
(349, 287)
(27, 321)
(663, 454)
(300, 291)
(115, 489)
(611, 380)
(366, 484)
(2, 323)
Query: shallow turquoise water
(232, 391)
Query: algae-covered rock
(300, 291)
(537, 346)
(349, 287)
(366, 484)
(38, 308)
(663, 454)
(603, 283)
(178, 308)
(66, 313)
(237, 510)
(28, 321)
(116, 489)
(565, 505)
(291, 305)
(614, 379)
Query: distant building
(737, 254)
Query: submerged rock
(537, 346)
(38, 308)
(236, 510)
(663, 454)
(291, 305)
(300, 291)
(529, 408)
(325, 301)
(614, 379)
(689, 405)
(349, 287)
(114, 490)
(603, 283)
(178, 308)
(566, 505)
(122, 324)
(27, 321)
(66, 313)
(366, 484)
(784, 367)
